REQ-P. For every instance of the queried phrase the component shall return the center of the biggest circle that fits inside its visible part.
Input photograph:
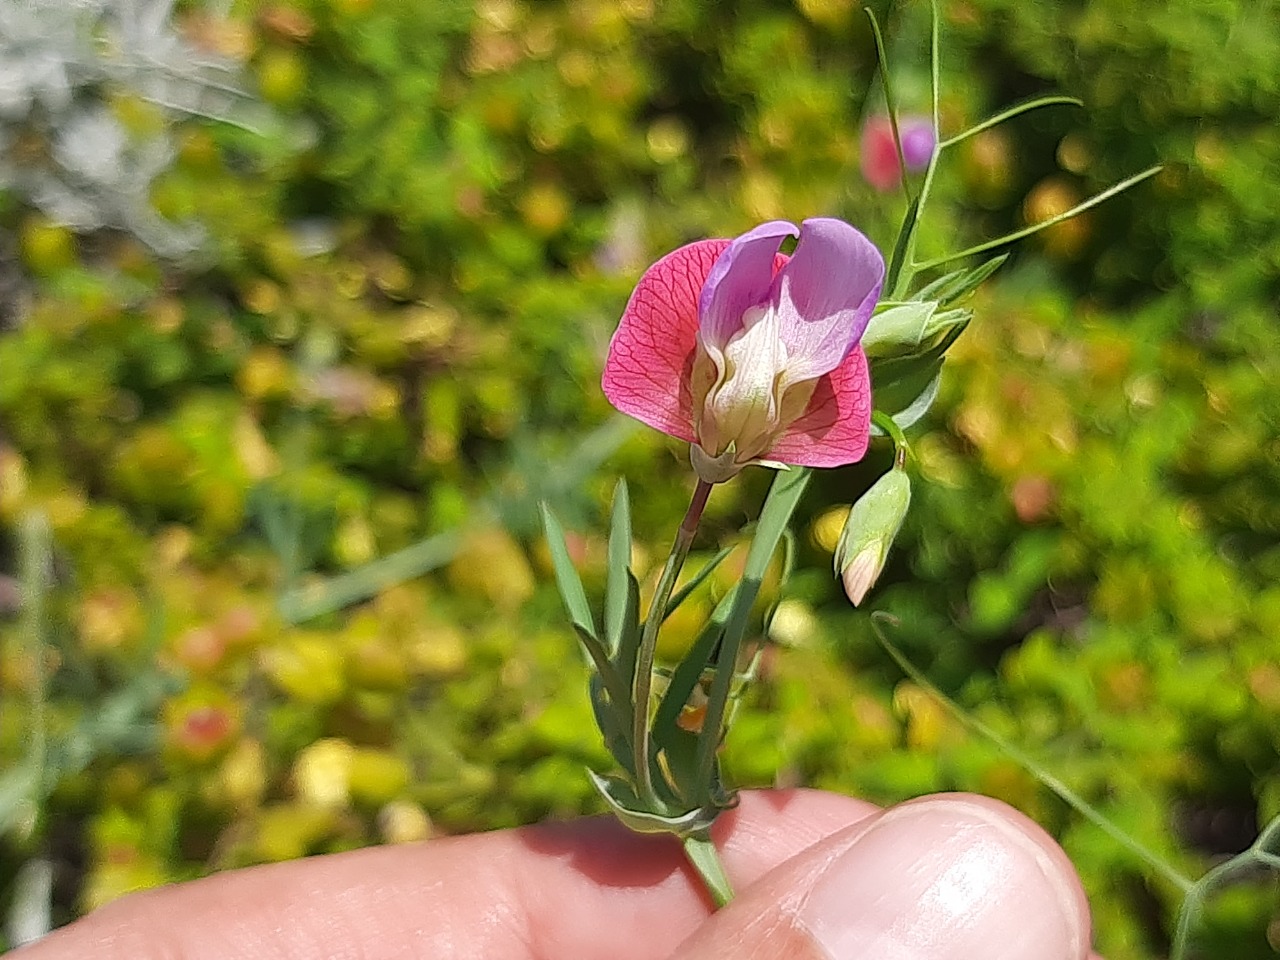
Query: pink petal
(646, 374)
(836, 427)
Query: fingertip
(944, 877)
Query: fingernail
(946, 878)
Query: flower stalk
(642, 681)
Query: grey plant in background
(63, 149)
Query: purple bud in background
(918, 142)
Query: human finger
(946, 877)
(584, 889)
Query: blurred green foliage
(393, 340)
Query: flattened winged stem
(702, 854)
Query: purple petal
(825, 295)
(740, 279)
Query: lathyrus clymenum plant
(759, 359)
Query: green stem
(1073, 799)
(704, 858)
(891, 102)
(642, 681)
(894, 432)
(905, 270)
(1009, 114)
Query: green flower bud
(873, 523)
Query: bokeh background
(302, 311)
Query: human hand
(947, 877)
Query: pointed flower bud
(874, 522)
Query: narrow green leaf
(891, 101)
(690, 669)
(624, 658)
(299, 604)
(617, 690)
(975, 278)
(776, 513)
(1014, 111)
(945, 321)
(614, 721)
(901, 395)
(911, 414)
(567, 579)
(617, 609)
(1035, 228)
(902, 246)
(699, 578)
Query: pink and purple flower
(751, 355)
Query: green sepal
(906, 386)
(955, 286)
(898, 329)
(908, 329)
